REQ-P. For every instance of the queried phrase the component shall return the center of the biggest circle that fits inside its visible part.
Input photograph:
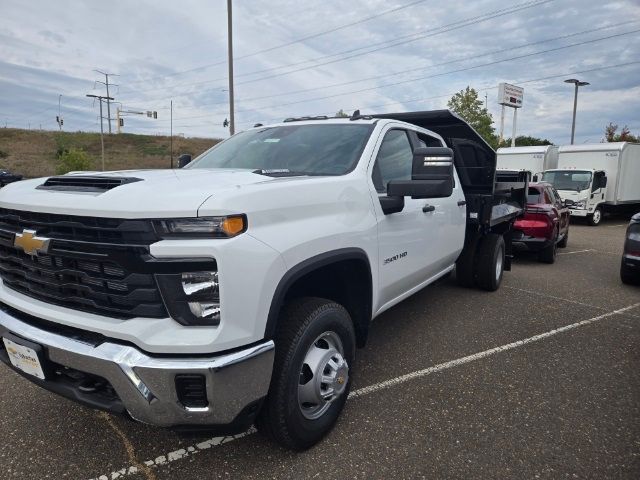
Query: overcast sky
(314, 57)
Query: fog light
(205, 310)
(192, 298)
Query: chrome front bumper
(578, 212)
(146, 385)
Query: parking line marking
(216, 441)
(546, 295)
(175, 455)
(577, 251)
(477, 356)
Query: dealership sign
(510, 95)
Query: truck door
(425, 237)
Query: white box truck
(598, 178)
(534, 159)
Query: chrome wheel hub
(499, 266)
(323, 377)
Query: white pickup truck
(237, 289)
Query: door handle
(462, 203)
(428, 208)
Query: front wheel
(595, 218)
(315, 350)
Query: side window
(394, 160)
(548, 197)
(428, 141)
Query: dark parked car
(545, 224)
(630, 266)
(8, 177)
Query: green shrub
(73, 159)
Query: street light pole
(232, 122)
(577, 83)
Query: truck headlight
(201, 227)
(192, 298)
(580, 204)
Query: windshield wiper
(280, 172)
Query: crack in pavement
(136, 465)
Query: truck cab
(598, 178)
(583, 191)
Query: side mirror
(535, 178)
(431, 175)
(599, 181)
(183, 160)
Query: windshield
(330, 149)
(568, 179)
(534, 195)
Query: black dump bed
(492, 197)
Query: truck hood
(573, 195)
(154, 194)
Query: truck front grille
(88, 267)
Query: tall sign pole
(501, 125)
(232, 120)
(510, 96)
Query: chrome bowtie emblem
(30, 243)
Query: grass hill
(35, 153)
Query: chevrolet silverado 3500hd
(237, 289)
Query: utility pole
(171, 138)
(106, 84)
(100, 98)
(232, 121)
(577, 83)
(59, 115)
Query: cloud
(52, 36)
(166, 51)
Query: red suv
(545, 224)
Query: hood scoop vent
(85, 183)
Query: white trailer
(534, 159)
(598, 178)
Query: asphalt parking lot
(537, 380)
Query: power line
(464, 69)
(414, 100)
(447, 95)
(292, 42)
(401, 72)
(380, 46)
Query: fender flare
(305, 267)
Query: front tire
(595, 218)
(490, 266)
(315, 351)
(565, 240)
